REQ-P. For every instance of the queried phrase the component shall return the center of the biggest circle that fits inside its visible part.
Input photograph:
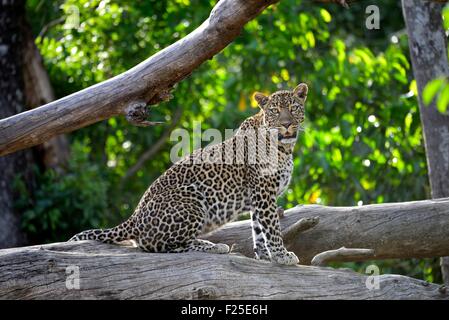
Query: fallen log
(92, 270)
(416, 229)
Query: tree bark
(428, 52)
(19, 165)
(149, 82)
(417, 229)
(114, 272)
(396, 230)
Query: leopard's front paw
(220, 248)
(287, 258)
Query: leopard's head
(284, 111)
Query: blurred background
(362, 142)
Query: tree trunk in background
(12, 102)
(54, 153)
(428, 52)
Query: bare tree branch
(340, 255)
(149, 82)
(48, 26)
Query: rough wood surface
(428, 53)
(113, 272)
(395, 230)
(417, 229)
(150, 81)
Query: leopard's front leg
(261, 251)
(268, 243)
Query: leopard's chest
(284, 174)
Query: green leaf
(413, 87)
(325, 15)
(431, 89)
(446, 17)
(443, 99)
(310, 39)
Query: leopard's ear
(261, 99)
(301, 91)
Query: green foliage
(446, 17)
(363, 139)
(437, 89)
(65, 204)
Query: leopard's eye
(294, 107)
(274, 111)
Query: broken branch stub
(137, 113)
(341, 255)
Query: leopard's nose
(286, 125)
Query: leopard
(214, 185)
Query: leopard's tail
(122, 232)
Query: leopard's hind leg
(175, 225)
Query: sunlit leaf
(443, 98)
(413, 87)
(325, 15)
(431, 89)
(446, 17)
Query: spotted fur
(213, 185)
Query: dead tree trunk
(89, 270)
(397, 230)
(428, 51)
(19, 165)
